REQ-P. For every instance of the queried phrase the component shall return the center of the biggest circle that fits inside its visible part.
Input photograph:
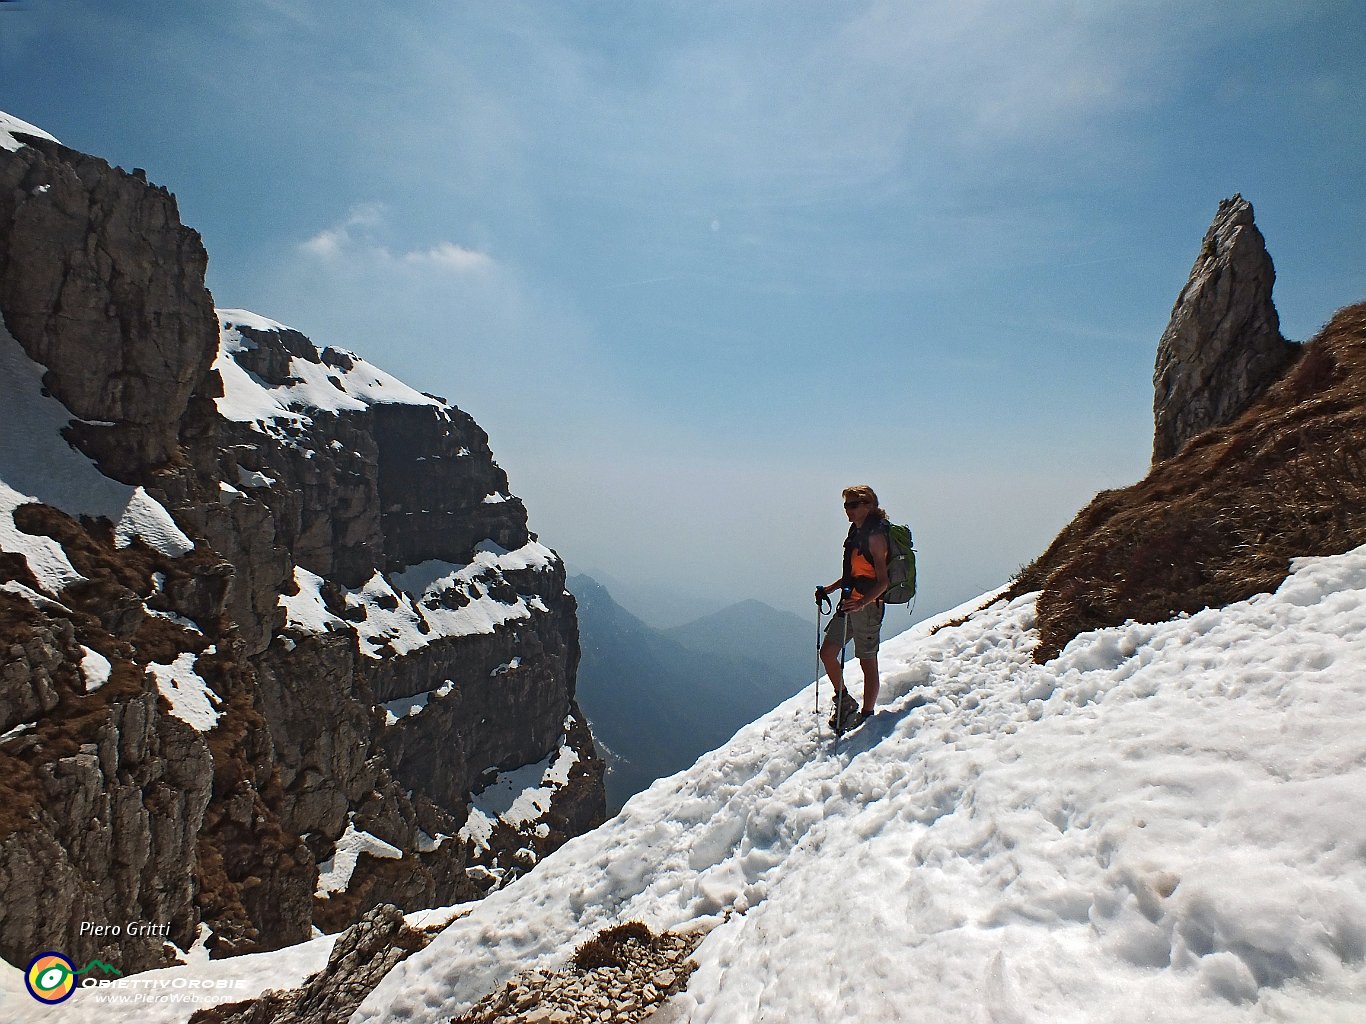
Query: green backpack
(900, 565)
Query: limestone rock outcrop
(1223, 345)
(256, 682)
(364, 954)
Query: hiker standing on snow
(858, 617)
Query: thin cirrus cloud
(849, 104)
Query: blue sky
(697, 266)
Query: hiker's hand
(821, 595)
(852, 603)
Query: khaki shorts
(865, 629)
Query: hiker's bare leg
(870, 683)
(830, 658)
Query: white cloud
(452, 257)
(356, 240)
(326, 244)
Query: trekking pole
(822, 607)
(839, 704)
(820, 613)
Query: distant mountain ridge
(657, 699)
(659, 605)
(755, 631)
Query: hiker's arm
(877, 547)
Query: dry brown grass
(607, 948)
(1221, 520)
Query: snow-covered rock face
(1164, 823)
(303, 381)
(227, 557)
(399, 616)
(385, 491)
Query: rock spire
(1223, 346)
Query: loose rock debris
(620, 976)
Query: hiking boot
(845, 708)
(857, 719)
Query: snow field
(1166, 823)
(192, 700)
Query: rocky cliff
(277, 645)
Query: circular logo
(51, 978)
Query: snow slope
(11, 125)
(1167, 823)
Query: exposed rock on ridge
(281, 722)
(104, 286)
(1223, 345)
